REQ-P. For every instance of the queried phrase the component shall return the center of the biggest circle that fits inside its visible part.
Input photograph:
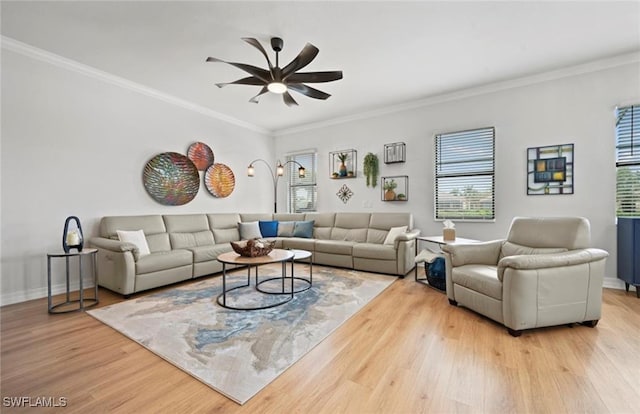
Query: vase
(389, 195)
(343, 170)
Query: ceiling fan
(281, 80)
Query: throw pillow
(136, 238)
(303, 229)
(393, 233)
(268, 228)
(249, 230)
(285, 228)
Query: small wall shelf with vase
(395, 188)
(395, 152)
(343, 164)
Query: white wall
(76, 145)
(576, 109)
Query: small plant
(370, 169)
(401, 197)
(335, 175)
(390, 185)
(343, 156)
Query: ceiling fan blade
(254, 42)
(251, 80)
(314, 77)
(308, 91)
(288, 99)
(260, 73)
(308, 53)
(262, 92)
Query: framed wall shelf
(395, 152)
(395, 188)
(343, 164)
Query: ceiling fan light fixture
(277, 87)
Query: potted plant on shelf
(335, 175)
(343, 156)
(389, 186)
(350, 174)
(370, 169)
(401, 197)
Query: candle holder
(72, 238)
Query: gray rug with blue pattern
(235, 352)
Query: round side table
(74, 305)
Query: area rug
(235, 352)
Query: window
(628, 161)
(464, 174)
(302, 191)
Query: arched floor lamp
(276, 175)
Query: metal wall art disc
(171, 179)
(201, 155)
(219, 180)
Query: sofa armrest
(474, 253)
(550, 260)
(112, 245)
(409, 235)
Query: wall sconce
(251, 170)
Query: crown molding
(62, 62)
(594, 66)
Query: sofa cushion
(289, 216)
(513, 249)
(374, 251)
(163, 260)
(223, 221)
(357, 235)
(186, 223)
(152, 224)
(479, 278)
(249, 230)
(285, 228)
(335, 246)
(136, 238)
(185, 240)
(303, 229)
(226, 235)
(209, 253)
(246, 217)
(298, 243)
(268, 228)
(158, 242)
(393, 233)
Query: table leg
(67, 274)
(80, 279)
(224, 284)
(49, 300)
(95, 275)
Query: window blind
(465, 175)
(628, 161)
(303, 192)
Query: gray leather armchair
(542, 274)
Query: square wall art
(550, 170)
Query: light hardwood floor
(408, 351)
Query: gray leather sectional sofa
(186, 246)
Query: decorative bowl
(253, 247)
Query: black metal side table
(66, 306)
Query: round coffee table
(232, 258)
(297, 255)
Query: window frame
(627, 149)
(485, 161)
(293, 181)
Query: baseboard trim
(39, 293)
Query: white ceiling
(390, 52)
